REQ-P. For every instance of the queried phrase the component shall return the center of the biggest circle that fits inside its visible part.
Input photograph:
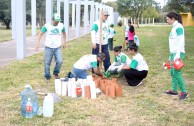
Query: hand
(177, 56)
(119, 69)
(64, 46)
(94, 45)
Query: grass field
(5, 34)
(139, 106)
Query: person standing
(95, 36)
(54, 31)
(126, 32)
(111, 34)
(131, 34)
(177, 51)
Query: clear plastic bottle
(48, 106)
(29, 93)
(29, 113)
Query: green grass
(140, 106)
(6, 35)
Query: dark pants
(106, 62)
(134, 77)
(110, 44)
(130, 42)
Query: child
(138, 68)
(111, 33)
(177, 51)
(131, 34)
(136, 40)
(120, 60)
(126, 30)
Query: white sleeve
(93, 32)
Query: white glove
(111, 67)
(119, 68)
(177, 56)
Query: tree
(133, 8)
(5, 12)
(112, 4)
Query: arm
(180, 39)
(38, 41)
(97, 71)
(64, 39)
(93, 35)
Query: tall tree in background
(5, 12)
(133, 8)
(112, 4)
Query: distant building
(187, 19)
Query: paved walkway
(8, 49)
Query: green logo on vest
(55, 31)
(105, 28)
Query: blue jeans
(49, 53)
(80, 73)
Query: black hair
(102, 56)
(133, 46)
(129, 21)
(131, 29)
(174, 15)
(117, 48)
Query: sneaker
(56, 76)
(170, 92)
(183, 96)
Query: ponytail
(174, 15)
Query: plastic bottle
(29, 109)
(48, 106)
(29, 93)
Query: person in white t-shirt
(120, 60)
(88, 62)
(138, 68)
(126, 30)
(111, 34)
(54, 31)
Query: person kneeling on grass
(120, 60)
(88, 62)
(138, 68)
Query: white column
(59, 6)
(153, 21)
(33, 17)
(21, 28)
(96, 11)
(13, 18)
(66, 18)
(91, 14)
(86, 17)
(49, 10)
(131, 20)
(73, 15)
(78, 4)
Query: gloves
(111, 67)
(177, 56)
(119, 68)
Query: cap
(56, 17)
(105, 13)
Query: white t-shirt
(177, 38)
(86, 62)
(122, 59)
(126, 30)
(95, 34)
(53, 34)
(136, 40)
(111, 32)
(138, 63)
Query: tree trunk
(7, 23)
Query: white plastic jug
(48, 106)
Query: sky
(159, 1)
